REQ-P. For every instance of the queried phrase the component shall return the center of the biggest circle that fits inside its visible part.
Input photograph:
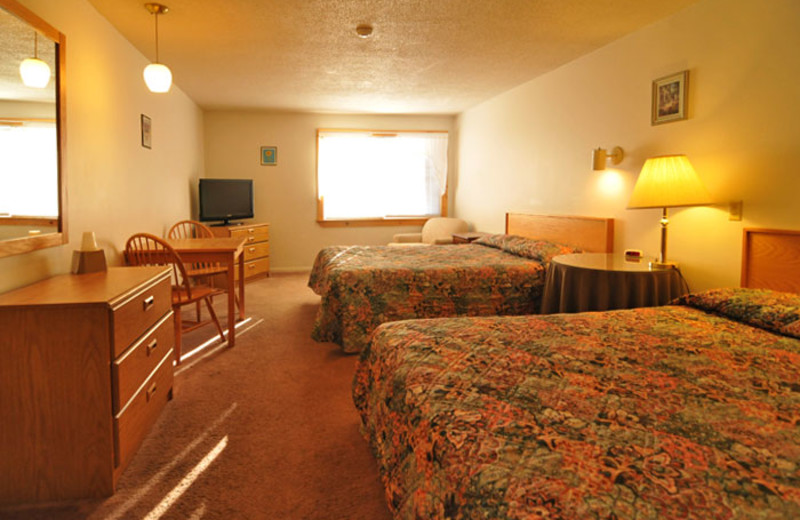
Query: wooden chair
(147, 249)
(200, 272)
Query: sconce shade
(158, 77)
(34, 72)
(668, 181)
(600, 156)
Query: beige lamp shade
(668, 181)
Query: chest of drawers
(86, 370)
(256, 247)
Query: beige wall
(285, 194)
(529, 149)
(115, 187)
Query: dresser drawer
(138, 416)
(255, 267)
(257, 250)
(130, 370)
(138, 313)
(251, 233)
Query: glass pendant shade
(34, 72)
(158, 77)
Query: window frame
(385, 221)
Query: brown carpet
(276, 407)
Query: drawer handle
(148, 302)
(251, 266)
(152, 346)
(151, 391)
(251, 249)
(251, 239)
(251, 231)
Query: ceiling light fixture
(34, 72)
(364, 30)
(157, 76)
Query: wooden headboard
(771, 259)
(590, 234)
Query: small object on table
(599, 281)
(89, 258)
(466, 238)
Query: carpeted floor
(266, 430)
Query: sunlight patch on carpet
(245, 325)
(158, 477)
(187, 481)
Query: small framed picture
(269, 155)
(147, 132)
(669, 98)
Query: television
(225, 199)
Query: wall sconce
(157, 76)
(34, 72)
(599, 157)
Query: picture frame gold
(670, 98)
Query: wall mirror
(32, 134)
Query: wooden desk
(223, 250)
(599, 281)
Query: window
(28, 170)
(373, 175)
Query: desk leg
(231, 301)
(241, 286)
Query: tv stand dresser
(86, 370)
(256, 247)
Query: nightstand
(467, 237)
(599, 281)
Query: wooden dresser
(256, 249)
(86, 369)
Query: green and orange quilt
(364, 286)
(688, 411)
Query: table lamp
(667, 181)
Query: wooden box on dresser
(86, 369)
(256, 249)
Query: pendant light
(34, 72)
(157, 76)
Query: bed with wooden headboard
(501, 274)
(690, 410)
(771, 259)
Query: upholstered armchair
(437, 230)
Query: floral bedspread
(688, 411)
(364, 286)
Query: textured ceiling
(16, 44)
(425, 56)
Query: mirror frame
(17, 246)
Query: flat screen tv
(226, 199)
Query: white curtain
(365, 174)
(29, 170)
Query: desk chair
(200, 272)
(147, 249)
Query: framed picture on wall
(269, 155)
(147, 135)
(669, 98)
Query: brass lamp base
(654, 264)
